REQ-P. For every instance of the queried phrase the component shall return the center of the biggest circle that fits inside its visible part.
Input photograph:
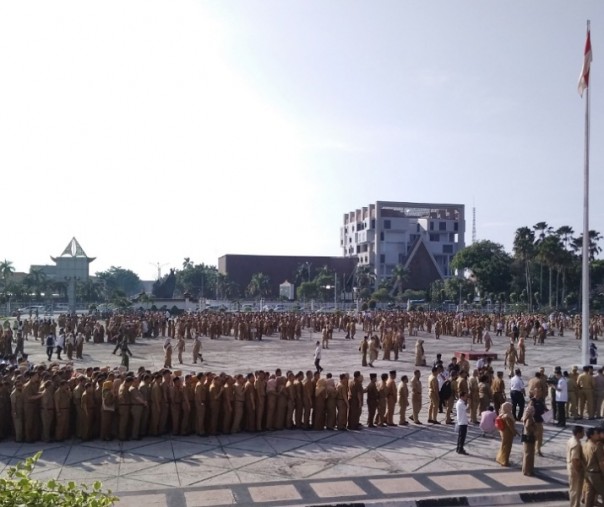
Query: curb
(461, 501)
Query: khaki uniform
(372, 402)
(62, 408)
(416, 399)
(403, 402)
(18, 413)
(342, 404)
(124, 403)
(574, 450)
(585, 391)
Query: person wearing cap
(355, 401)
(62, 399)
(18, 410)
(575, 465)
(594, 465)
(88, 411)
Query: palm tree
(577, 245)
(364, 279)
(524, 248)
(259, 285)
(186, 264)
(544, 230)
(6, 270)
(36, 281)
(398, 277)
(550, 252)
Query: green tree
(259, 285)
(36, 281)
(118, 278)
(364, 278)
(398, 277)
(19, 489)
(199, 280)
(544, 230)
(6, 271)
(307, 291)
(490, 264)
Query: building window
(442, 226)
(382, 236)
(417, 228)
(401, 258)
(387, 224)
(456, 226)
(434, 237)
(431, 226)
(447, 249)
(452, 237)
(382, 258)
(373, 223)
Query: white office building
(423, 237)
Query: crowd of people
(55, 401)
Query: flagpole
(585, 259)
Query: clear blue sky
(157, 130)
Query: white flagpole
(585, 259)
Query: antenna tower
(473, 224)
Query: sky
(156, 130)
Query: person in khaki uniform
(31, 398)
(156, 405)
(298, 400)
(271, 402)
(124, 403)
(498, 391)
(382, 403)
(416, 396)
(107, 410)
(575, 464)
(48, 410)
(511, 358)
(176, 401)
(363, 349)
(200, 405)
(319, 403)
(88, 408)
(197, 349)
(390, 398)
(260, 387)
(136, 409)
(308, 395)
(355, 401)
(474, 396)
(594, 467)
(228, 394)
(571, 382)
(238, 403)
(585, 386)
(180, 348)
(145, 390)
(291, 401)
(433, 395)
(166, 389)
(403, 400)
(62, 400)
(18, 410)
(330, 403)
(372, 399)
(342, 402)
(76, 398)
(250, 403)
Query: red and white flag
(584, 77)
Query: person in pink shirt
(487, 421)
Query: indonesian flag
(584, 77)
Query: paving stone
(459, 482)
(336, 489)
(146, 500)
(515, 478)
(274, 493)
(405, 485)
(209, 497)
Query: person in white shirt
(317, 357)
(461, 408)
(517, 394)
(561, 398)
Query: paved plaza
(388, 466)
